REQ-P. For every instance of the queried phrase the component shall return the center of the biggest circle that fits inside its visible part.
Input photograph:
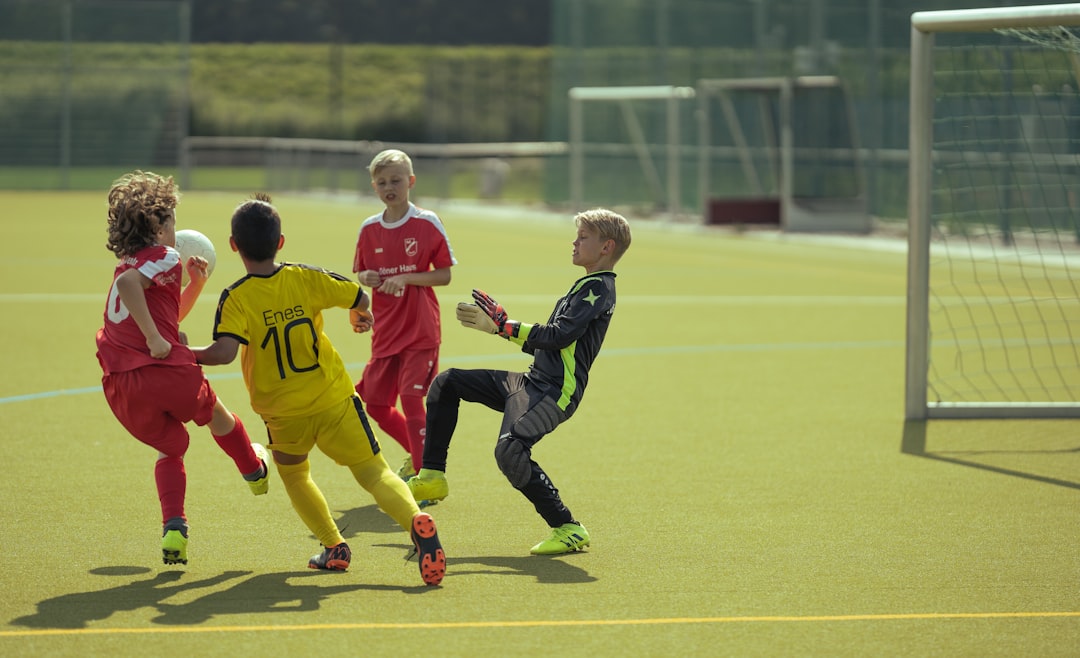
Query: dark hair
(139, 202)
(256, 228)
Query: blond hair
(388, 158)
(609, 225)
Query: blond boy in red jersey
(401, 254)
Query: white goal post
(993, 307)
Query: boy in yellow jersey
(299, 386)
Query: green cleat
(174, 543)
(261, 485)
(406, 470)
(406, 473)
(567, 538)
(429, 485)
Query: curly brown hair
(139, 202)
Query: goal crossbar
(983, 20)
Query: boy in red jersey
(401, 253)
(150, 378)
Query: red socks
(391, 421)
(416, 418)
(237, 445)
(171, 481)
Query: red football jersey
(121, 344)
(415, 243)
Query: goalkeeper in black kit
(533, 403)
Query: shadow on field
(271, 593)
(1051, 462)
(545, 569)
(368, 518)
(76, 610)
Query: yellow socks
(309, 502)
(389, 491)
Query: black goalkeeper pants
(530, 411)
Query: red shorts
(407, 373)
(154, 402)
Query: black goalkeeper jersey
(564, 349)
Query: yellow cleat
(567, 538)
(406, 470)
(429, 485)
(262, 485)
(174, 547)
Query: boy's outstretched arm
(221, 351)
(197, 277)
(360, 316)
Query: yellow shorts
(342, 433)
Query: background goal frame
(671, 96)
(781, 151)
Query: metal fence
(83, 105)
(69, 101)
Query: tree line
(435, 22)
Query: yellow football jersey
(290, 367)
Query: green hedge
(393, 93)
(126, 100)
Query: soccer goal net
(993, 312)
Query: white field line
(633, 300)
(611, 352)
(68, 298)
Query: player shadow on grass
(264, 593)
(546, 570)
(368, 518)
(77, 609)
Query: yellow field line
(540, 623)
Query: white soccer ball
(192, 243)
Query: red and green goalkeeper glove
(487, 315)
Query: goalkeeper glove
(504, 326)
(470, 315)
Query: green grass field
(740, 459)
